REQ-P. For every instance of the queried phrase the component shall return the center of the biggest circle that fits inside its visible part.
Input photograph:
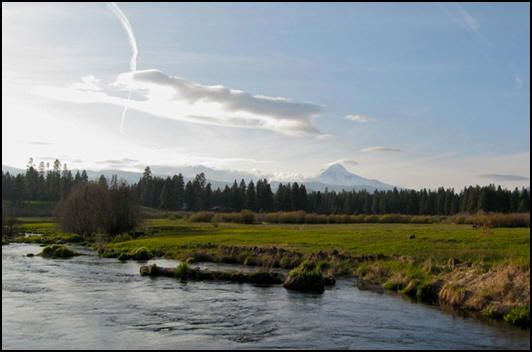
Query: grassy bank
(479, 269)
(476, 269)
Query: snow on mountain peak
(337, 175)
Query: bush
(394, 219)
(247, 217)
(371, 219)
(202, 216)
(422, 219)
(93, 208)
(8, 220)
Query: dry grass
(494, 292)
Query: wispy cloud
(39, 143)
(177, 99)
(460, 16)
(382, 149)
(359, 118)
(124, 161)
(503, 178)
(326, 136)
(344, 162)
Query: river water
(92, 303)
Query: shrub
(394, 219)
(247, 217)
(8, 220)
(371, 219)
(93, 208)
(202, 216)
(423, 219)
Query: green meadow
(439, 242)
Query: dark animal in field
(412, 237)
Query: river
(91, 303)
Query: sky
(416, 95)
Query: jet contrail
(133, 63)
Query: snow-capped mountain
(336, 177)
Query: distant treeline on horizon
(173, 194)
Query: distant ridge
(334, 178)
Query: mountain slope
(337, 177)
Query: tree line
(56, 182)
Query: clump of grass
(454, 294)
(182, 271)
(397, 282)
(519, 316)
(300, 279)
(307, 265)
(58, 251)
(141, 253)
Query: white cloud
(177, 99)
(359, 118)
(382, 149)
(88, 83)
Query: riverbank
(457, 265)
(64, 304)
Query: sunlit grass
(439, 242)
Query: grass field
(440, 242)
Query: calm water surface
(92, 303)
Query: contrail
(133, 63)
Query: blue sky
(415, 95)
